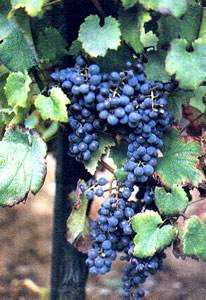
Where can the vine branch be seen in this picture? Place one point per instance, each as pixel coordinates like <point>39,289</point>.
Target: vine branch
<point>99,8</point>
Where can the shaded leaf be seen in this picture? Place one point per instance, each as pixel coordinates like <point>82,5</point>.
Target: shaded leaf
<point>176,99</point>
<point>105,141</point>
<point>22,165</point>
<point>198,100</point>
<point>118,153</point>
<point>179,162</point>
<point>115,60</point>
<point>189,67</point>
<point>155,67</point>
<point>150,238</point>
<point>194,242</point>
<point>53,107</point>
<point>75,48</point>
<point>187,27</point>
<point>16,49</point>
<point>133,31</point>
<point>96,39</point>
<point>16,89</point>
<point>128,3</point>
<point>51,45</point>
<point>171,203</point>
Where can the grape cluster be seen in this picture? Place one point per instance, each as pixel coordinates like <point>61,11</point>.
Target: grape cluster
<point>101,102</point>
<point>137,271</point>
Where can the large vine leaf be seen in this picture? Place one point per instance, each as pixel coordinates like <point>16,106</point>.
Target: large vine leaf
<point>194,242</point>
<point>51,45</point>
<point>166,7</point>
<point>187,27</point>
<point>96,39</point>
<point>189,67</point>
<point>54,107</point>
<point>16,89</point>
<point>22,165</point>
<point>105,141</point>
<point>179,162</point>
<point>155,66</point>
<point>171,203</point>
<point>17,52</point>
<point>77,224</point>
<point>32,7</point>
<point>198,100</point>
<point>150,237</point>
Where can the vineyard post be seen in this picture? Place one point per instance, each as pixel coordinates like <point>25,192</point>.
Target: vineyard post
<point>69,272</point>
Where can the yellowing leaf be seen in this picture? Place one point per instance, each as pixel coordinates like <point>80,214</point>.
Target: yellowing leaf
<point>16,89</point>
<point>53,107</point>
<point>32,7</point>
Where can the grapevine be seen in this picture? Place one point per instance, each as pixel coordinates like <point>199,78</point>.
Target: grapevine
<point>124,84</point>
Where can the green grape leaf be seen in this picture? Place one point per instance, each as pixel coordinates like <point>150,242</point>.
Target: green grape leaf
<point>194,242</point>
<point>54,107</point>
<point>150,237</point>
<point>77,224</point>
<point>105,141</point>
<point>17,52</point>
<point>179,162</point>
<point>75,48</point>
<point>128,3</point>
<point>166,7</point>
<point>130,26</point>
<point>51,45</point>
<point>120,175</point>
<point>114,60</point>
<point>133,32</point>
<point>187,27</point>
<point>149,39</point>
<point>189,67</point>
<point>96,39</point>
<point>155,66</point>
<point>118,153</point>
<point>197,101</point>
<point>32,7</point>
<point>176,99</point>
<point>171,203</point>
<point>16,89</point>
<point>23,166</point>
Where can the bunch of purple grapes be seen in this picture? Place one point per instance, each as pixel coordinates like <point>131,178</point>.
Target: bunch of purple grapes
<point>102,102</point>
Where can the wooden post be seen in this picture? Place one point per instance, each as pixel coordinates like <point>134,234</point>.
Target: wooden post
<point>69,272</point>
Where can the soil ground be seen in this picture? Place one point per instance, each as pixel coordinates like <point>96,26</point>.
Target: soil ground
<point>25,239</point>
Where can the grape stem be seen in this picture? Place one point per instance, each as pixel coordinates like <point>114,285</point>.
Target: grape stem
<point>106,166</point>
<point>52,3</point>
<point>99,8</point>
<point>196,201</point>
